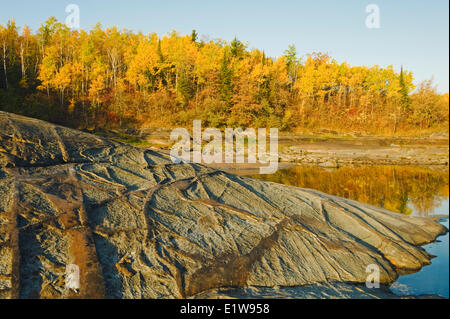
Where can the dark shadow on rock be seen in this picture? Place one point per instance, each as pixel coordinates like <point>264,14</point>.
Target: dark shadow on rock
<point>108,257</point>
<point>30,266</point>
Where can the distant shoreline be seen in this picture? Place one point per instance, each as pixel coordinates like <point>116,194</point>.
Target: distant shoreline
<point>326,151</point>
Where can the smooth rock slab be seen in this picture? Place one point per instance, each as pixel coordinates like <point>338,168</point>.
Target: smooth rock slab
<point>138,226</point>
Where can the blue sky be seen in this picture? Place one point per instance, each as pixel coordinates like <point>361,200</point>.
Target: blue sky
<point>413,33</point>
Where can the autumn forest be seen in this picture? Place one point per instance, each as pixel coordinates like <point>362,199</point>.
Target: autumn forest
<point>109,78</point>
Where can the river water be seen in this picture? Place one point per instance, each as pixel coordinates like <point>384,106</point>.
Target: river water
<point>418,191</point>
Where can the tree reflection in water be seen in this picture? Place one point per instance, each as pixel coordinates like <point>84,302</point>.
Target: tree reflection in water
<point>402,189</point>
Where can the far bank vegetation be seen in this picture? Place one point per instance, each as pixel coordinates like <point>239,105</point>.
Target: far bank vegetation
<point>111,78</point>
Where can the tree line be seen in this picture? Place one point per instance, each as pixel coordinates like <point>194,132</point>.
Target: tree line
<point>105,78</point>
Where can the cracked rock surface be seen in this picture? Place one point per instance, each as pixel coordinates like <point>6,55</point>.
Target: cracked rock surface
<point>138,226</point>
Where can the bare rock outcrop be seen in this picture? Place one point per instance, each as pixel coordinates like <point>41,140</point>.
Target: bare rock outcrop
<point>138,226</point>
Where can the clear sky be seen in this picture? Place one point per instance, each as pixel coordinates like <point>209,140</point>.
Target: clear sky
<point>412,33</point>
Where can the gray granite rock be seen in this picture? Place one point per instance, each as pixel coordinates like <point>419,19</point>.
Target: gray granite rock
<point>138,226</point>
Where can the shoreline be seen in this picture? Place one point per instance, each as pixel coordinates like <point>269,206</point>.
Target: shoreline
<point>334,152</point>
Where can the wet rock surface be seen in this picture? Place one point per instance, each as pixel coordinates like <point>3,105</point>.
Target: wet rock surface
<point>138,226</point>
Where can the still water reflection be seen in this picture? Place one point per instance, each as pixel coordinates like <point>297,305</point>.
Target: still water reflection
<point>403,189</point>
<point>419,191</point>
